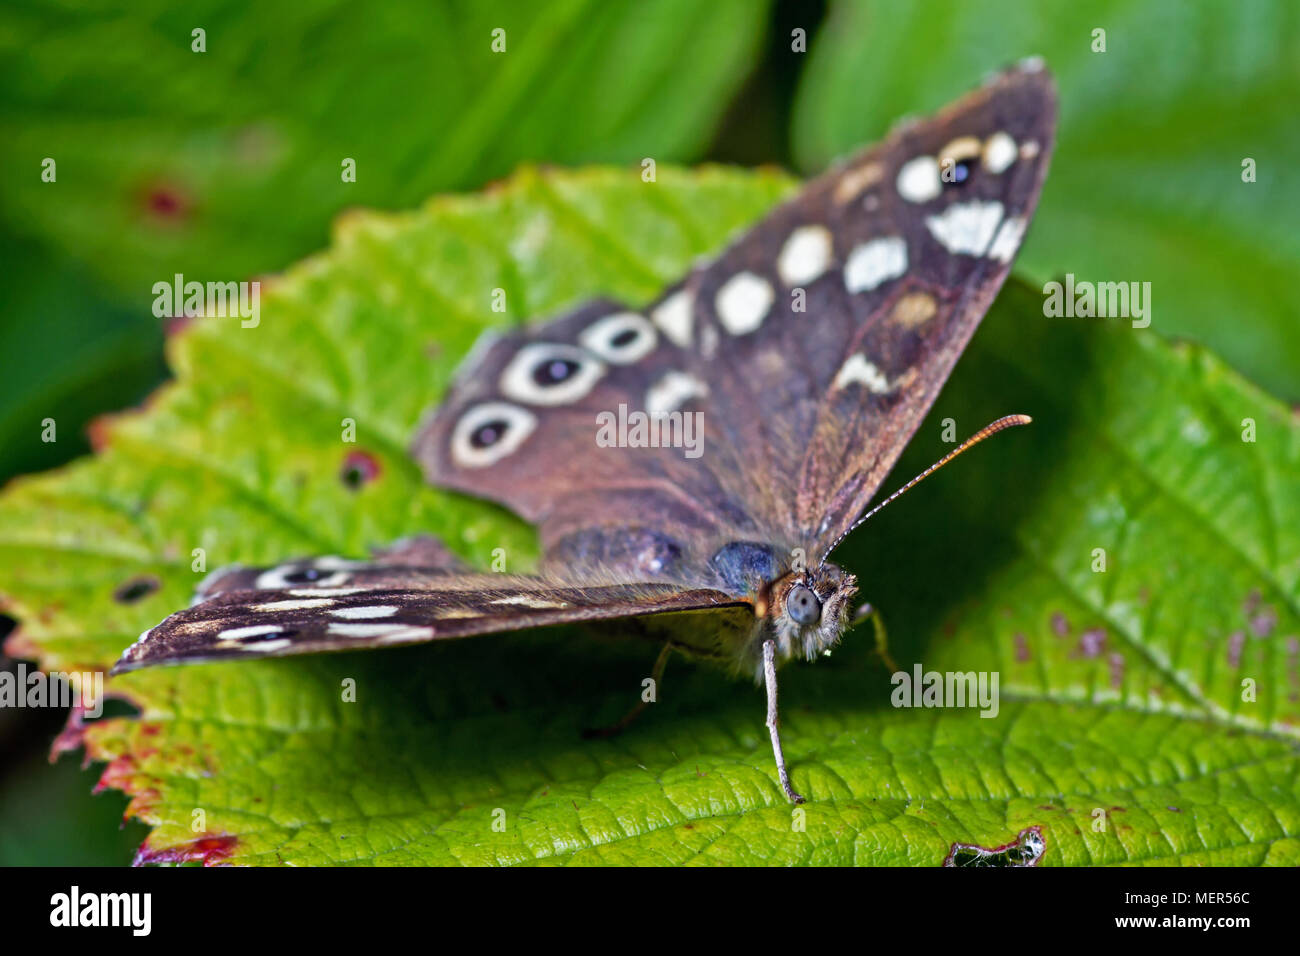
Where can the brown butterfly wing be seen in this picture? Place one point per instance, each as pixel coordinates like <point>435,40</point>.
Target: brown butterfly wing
<point>811,348</point>
<point>392,605</point>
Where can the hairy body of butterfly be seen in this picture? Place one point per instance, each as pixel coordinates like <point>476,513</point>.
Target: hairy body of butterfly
<point>811,348</point>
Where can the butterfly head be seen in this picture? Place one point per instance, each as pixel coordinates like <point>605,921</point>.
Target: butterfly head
<point>807,610</point>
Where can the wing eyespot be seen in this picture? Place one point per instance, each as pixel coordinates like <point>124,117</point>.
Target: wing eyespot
<point>621,338</point>
<point>550,374</point>
<point>324,572</point>
<point>489,432</point>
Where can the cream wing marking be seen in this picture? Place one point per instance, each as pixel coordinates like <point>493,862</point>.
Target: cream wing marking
<point>918,179</point>
<point>806,255</point>
<point>1007,241</point>
<point>673,390</point>
<point>966,228</point>
<point>875,262</point>
<point>861,370</point>
<point>674,316</point>
<point>1000,151</point>
<point>743,302</point>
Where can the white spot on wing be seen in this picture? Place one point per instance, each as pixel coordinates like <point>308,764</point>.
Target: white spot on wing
<point>360,630</point>
<point>875,262</point>
<point>805,255</point>
<point>672,391</point>
<point>324,592</point>
<point>674,316</point>
<point>743,302</point>
<point>407,635</point>
<point>966,228</point>
<point>918,179</point>
<point>1008,239</point>
<point>524,600</point>
<point>253,630</point>
<point>999,152</point>
<point>364,613</point>
<point>302,605</point>
<point>261,647</point>
<point>862,371</point>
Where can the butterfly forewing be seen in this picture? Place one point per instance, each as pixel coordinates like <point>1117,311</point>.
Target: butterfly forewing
<point>811,348</point>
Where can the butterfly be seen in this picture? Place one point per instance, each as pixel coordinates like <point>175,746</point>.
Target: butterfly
<point>801,358</point>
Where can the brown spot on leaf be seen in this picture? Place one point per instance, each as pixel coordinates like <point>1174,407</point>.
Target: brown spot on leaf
<point>1263,623</point>
<point>1116,670</point>
<point>1022,648</point>
<point>1236,641</point>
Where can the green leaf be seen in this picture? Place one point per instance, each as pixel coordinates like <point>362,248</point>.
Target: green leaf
<point>1121,694</point>
<point>1146,182</point>
<point>225,164</point>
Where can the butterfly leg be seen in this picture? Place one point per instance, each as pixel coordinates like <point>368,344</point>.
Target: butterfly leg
<point>769,677</point>
<point>656,675</point>
<point>867,612</point>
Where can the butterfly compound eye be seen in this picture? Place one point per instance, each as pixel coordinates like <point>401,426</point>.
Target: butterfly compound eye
<point>802,605</point>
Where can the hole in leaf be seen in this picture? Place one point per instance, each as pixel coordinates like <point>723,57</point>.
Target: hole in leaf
<point>136,589</point>
<point>1026,850</point>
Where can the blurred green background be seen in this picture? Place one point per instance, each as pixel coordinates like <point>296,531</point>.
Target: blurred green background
<point>224,164</point>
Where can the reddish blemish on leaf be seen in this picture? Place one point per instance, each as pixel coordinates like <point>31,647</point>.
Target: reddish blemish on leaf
<point>1026,850</point>
<point>1092,642</point>
<point>1236,641</point>
<point>1060,626</point>
<point>359,469</point>
<point>210,850</point>
<point>176,324</point>
<point>1022,648</point>
<point>118,774</point>
<point>165,202</point>
<point>73,735</point>
<point>1116,670</point>
<point>1263,623</point>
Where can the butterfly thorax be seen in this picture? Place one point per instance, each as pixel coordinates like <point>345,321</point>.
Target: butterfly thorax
<point>804,610</point>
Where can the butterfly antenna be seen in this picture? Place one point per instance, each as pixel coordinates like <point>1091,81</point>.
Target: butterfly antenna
<point>988,431</point>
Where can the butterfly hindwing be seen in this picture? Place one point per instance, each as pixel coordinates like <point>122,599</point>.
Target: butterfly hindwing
<point>811,348</point>
<point>366,604</point>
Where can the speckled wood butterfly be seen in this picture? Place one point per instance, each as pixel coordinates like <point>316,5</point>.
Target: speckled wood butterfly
<point>808,352</point>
